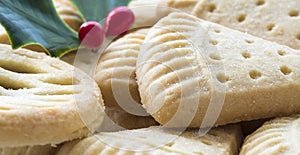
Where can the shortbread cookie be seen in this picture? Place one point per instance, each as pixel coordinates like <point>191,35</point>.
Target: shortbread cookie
<point>64,9</point>
<point>191,72</point>
<point>44,100</point>
<point>30,150</point>
<point>68,13</point>
<point>148,12</point>
<point>115,75</point>
<point>261,18</point>
<point>157,9</point>
<point>279,136</point>
<point>155,140</point>
<point>145,12</point>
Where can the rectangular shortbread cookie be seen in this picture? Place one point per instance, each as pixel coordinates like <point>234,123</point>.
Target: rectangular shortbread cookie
<point>156,141</point>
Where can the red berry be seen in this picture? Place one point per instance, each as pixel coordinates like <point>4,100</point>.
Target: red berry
<point>118,21</point>
<point>91,35</point>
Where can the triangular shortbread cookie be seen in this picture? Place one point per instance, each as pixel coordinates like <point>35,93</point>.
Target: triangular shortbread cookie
<point>196,73</point>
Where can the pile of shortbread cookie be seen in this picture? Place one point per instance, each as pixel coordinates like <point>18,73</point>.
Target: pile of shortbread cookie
<point>193,77</point>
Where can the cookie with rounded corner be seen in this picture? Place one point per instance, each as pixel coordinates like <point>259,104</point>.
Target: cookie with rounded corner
<point>157,140</point>
<point>115,75</point>
<point>278,136</point>
<point>45,100</point>
<point>196,73</point>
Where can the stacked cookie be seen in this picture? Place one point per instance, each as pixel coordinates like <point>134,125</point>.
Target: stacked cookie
<point>115,75</point>
<point>188,63</point>
<point>273,20</point>
<point>45,100</point>
<point>156,140</point>
<point>213,66</point>
<point>182,86</point>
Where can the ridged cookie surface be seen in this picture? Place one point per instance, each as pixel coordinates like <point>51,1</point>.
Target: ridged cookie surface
<point>157,141</point>
<point>274,20</point>
<point>44,100</point>
<point>195,73</point>
<point>115,75</point>
<point>68,13</point>
<point>280,136</point>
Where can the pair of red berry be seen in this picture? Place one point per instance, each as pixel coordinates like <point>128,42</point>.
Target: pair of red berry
<point>118,20</point>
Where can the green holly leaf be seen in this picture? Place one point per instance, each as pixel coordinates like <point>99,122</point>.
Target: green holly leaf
<point>96,10</point>
<point>37,22</point>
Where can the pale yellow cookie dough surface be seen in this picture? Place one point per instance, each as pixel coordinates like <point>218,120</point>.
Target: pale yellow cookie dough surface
<point>44,100</point>
<point>188,64</point>
<point>274,20</point>
<point>278,136</point>
<point>157,141</point>
<point>115,75</point>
